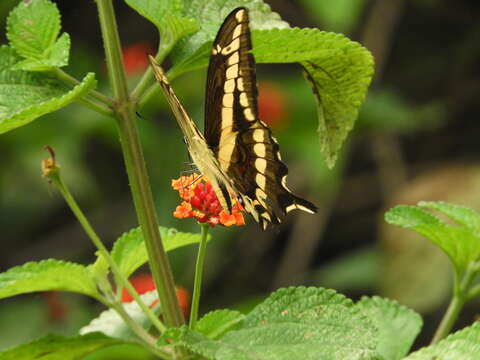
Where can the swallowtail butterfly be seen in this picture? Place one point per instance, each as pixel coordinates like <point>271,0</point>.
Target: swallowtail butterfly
<point>237,152</point>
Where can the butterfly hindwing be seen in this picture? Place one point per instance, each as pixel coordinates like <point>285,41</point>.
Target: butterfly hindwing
<point>242,143</point>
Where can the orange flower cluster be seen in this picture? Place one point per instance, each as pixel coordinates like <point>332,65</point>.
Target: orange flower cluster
<point>201,202</point>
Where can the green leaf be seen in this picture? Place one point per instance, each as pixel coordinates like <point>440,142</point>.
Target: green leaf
<point>410,217</point>
<point>193,52</point>
<point>460,214</point>
<point>339,70</point>
<point>156,10</point>
<point>166,16</point>
<point>99,271</point>
<point>25,96</point>
<point>398,326</point>
<point>58,58</point>
<point>53,347</point>
<point>294,323</point>
<point>129,251</point>
<point>464,345</point>
<point>216,323</point>
<point>47,275</point>
<point>32,29</point>
<point>460,243</point>
<point>175,28</point>
<point>111,324</point>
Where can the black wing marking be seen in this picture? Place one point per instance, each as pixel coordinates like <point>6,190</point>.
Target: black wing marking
<point>242,143</point>
<point>231,68</point>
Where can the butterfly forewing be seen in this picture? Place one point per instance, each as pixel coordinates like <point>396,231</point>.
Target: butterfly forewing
<point>242,143</point>
<point>201,154</point>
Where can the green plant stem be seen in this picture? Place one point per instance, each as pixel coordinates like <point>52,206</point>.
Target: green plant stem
<point>449,318</point>
<point>136,168</point>
<point>67,78</point>
<point>57,180</point>
<point>95,106</point>
<point>197,287</point>
<point>460,297</point>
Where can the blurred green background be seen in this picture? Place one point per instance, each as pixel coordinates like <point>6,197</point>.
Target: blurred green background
<point>416,139</point>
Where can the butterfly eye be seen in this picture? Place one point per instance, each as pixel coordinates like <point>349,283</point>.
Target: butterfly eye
<point>185,140</point>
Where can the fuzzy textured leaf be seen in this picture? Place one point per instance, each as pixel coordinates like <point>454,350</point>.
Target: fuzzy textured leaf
<point>32,29</point>
<point>210,15</point>
<point>156,10</point>
<point>129,251</point>
<point>460,243</point>
<point>166,15</point>
<point>58,57</point>
<point>464,345</point>
<point>398,326</point>
<point>54,347</point>
<point>216,323</point>
<point>47,275</point>
<point>460,214</point>
<point>25,96</point>
<point>294,323</point>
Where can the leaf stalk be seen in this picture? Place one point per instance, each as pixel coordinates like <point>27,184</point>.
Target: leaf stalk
<point>461,292</point>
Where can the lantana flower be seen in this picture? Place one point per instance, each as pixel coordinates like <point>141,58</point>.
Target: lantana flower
<point>201,202</point>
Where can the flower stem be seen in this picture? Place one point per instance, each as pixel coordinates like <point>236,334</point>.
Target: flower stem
<point>95,106</point>
<point>136,168</point>
<point>197,287</point>
<point>460,296</point>
<point>82,219</point>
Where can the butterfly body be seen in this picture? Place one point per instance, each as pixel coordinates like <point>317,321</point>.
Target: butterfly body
<point>237,152</point>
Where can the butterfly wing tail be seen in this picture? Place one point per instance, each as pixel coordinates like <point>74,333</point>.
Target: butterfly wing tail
<point>289,202</point>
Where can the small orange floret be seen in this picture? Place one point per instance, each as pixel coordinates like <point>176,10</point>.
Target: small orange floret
<point>183,211</point>
<point>239,219</point>
<point>201,202</point>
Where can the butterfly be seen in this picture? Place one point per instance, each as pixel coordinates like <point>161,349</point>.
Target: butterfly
<point>237,152</point>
